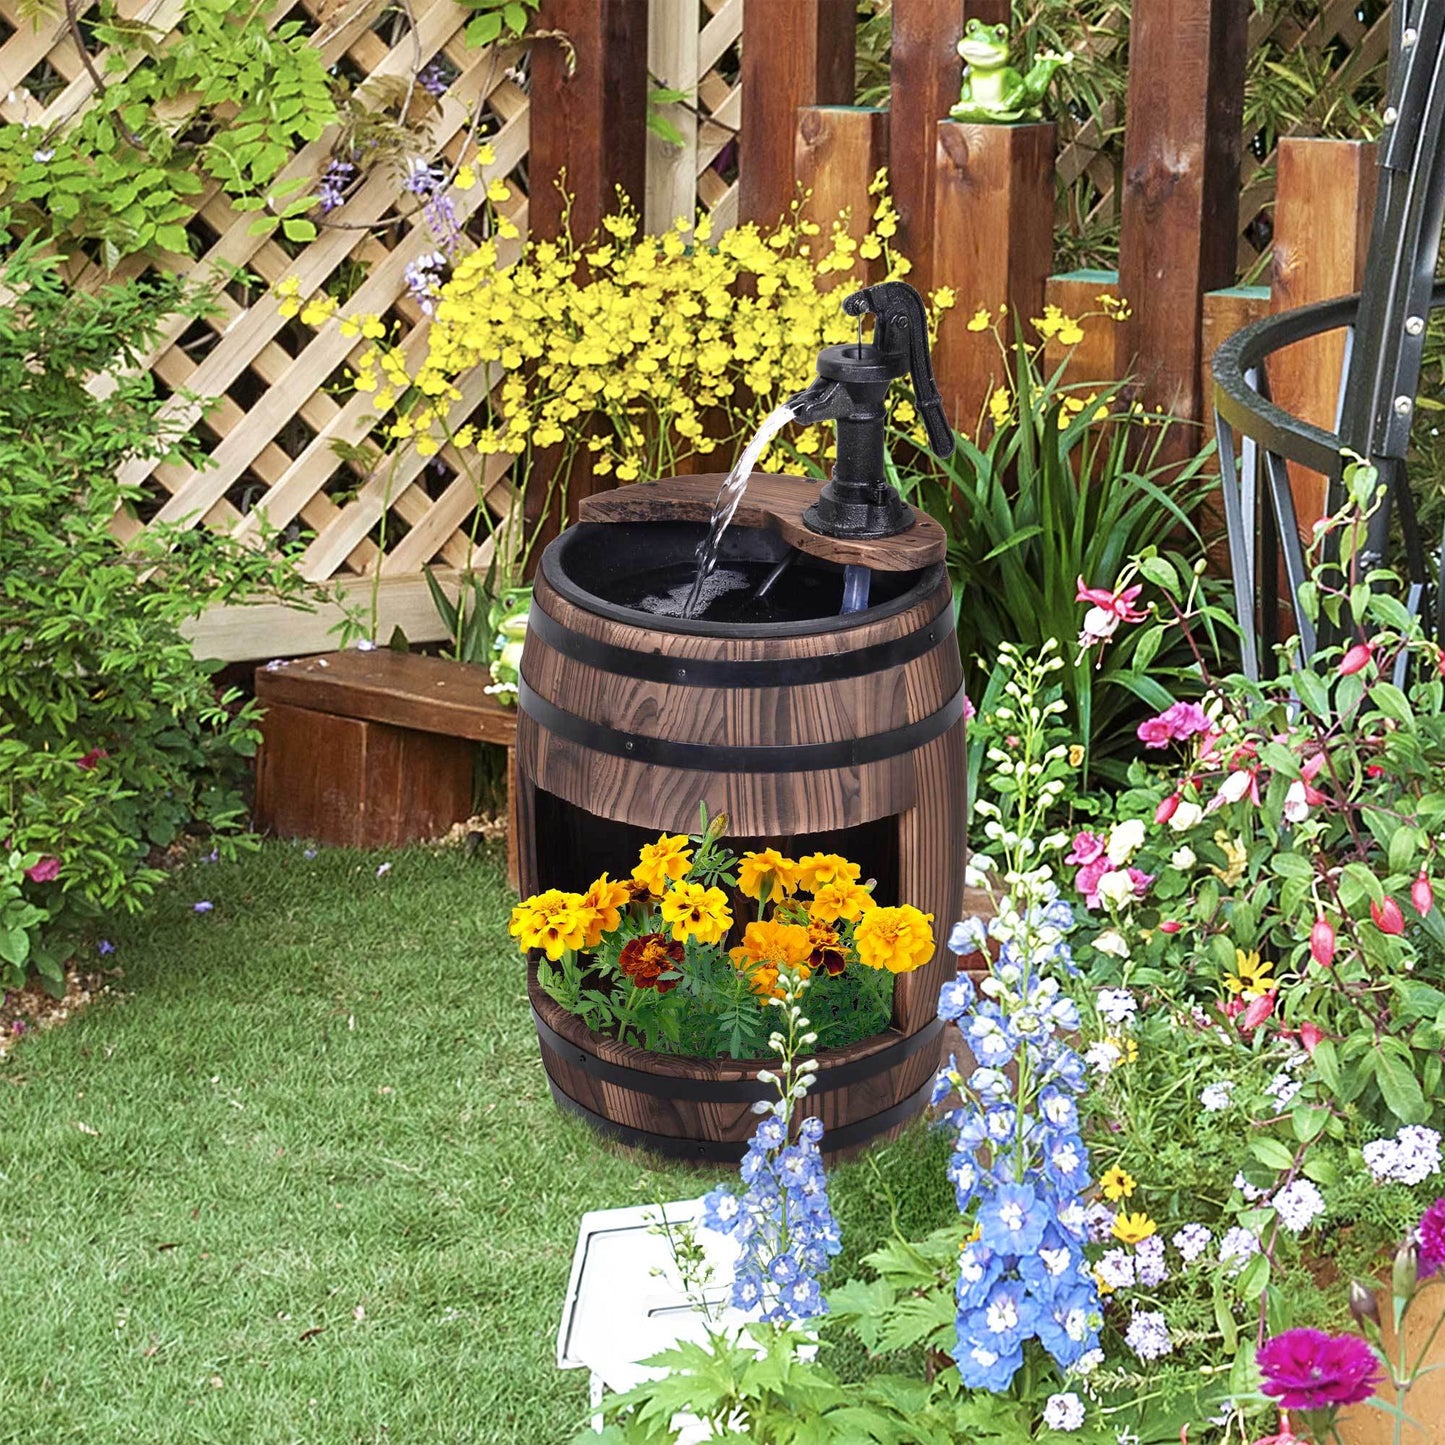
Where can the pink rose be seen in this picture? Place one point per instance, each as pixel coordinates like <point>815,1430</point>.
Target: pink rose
<point>1088,848</point>
<point>47,870</point>
<point>1086,880</point>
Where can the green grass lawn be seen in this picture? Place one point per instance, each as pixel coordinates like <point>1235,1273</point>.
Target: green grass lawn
<point>305,1183</point>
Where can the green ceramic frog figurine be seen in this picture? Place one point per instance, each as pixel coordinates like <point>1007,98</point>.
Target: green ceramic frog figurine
<point>509,614</point>
<point>992,89</point>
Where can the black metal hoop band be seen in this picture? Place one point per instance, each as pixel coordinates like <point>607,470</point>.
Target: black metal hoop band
<point>729,1091</point>
<point>716,672</point>
<point>707,758</point>
<point>717,1151</point>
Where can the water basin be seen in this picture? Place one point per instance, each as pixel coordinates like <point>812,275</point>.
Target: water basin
<point>642,573</point>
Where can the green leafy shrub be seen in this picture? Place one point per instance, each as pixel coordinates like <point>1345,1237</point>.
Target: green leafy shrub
<point>113,737</point>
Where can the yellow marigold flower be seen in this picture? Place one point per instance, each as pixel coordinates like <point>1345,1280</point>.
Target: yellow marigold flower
<point>663,862</point>
<point>602,907</point>
<point>819,869</point>
<point>1250,976</point>
<point>765,948</point>
<point>840,900</point>
<point>754,867</point>
<point>898,939</point>
<point>1133,1228</point>
<point>1236,858</point>
<point>466,178</point>
<point>1000,406</point>
<point>1117,1185</point>
<point>695,911</point>
<point>552,921</point>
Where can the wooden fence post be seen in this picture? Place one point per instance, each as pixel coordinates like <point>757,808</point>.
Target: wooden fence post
<point>924,75</point>
<point>588,129</point>
<point>797,53</point>
<point>993,241</point>
<point>1324,203</point>
<point>838,151</point>
<point>1181,189</point>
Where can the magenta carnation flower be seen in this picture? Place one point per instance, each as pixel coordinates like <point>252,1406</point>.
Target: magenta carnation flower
<point>1310,1370</point>
<point>1432,1239</point>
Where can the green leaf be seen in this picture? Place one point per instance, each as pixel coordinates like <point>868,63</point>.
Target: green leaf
<point>1254,1278</point>
<point>1393,703</point>
<point>299,229</point>
<point>484,29</point>
<point>1398,1086</point>
<point>1312,692</point>
<point>1308,1121</point>
<point>1291,865</point>
<point>1271,1153</point>
<point>174,239</point>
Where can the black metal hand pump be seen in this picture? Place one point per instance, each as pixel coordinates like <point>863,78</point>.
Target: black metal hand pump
<point>852,386</point>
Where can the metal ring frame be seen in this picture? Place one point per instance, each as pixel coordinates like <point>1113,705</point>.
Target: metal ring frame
<point>1385,334</point>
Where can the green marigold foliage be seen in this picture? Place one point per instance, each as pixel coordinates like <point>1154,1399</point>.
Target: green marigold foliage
<point>113,738</point>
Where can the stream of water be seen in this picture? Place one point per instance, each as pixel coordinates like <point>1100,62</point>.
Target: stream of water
<point>725,507</point>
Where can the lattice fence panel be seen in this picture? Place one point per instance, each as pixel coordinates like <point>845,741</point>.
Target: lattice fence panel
<point>1343,58</point>
<point>693,47</point>
<point>292,446</point>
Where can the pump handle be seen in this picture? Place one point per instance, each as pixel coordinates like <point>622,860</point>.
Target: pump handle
<point>900,332</point>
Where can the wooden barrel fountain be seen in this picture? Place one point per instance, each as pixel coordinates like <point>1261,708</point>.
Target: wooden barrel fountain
<point>810,730</point>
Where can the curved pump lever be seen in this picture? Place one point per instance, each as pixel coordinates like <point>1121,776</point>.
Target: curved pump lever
<point>900,332</point>
<point>852,389</point>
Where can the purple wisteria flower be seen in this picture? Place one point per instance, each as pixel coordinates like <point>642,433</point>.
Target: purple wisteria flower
<point>429,182</point>
<point>424,278</point>
<point>331,190</point>
<point>1308,1370</point>
<point>432,78</point>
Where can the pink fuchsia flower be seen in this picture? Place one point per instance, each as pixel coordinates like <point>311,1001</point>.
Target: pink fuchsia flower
<point>1168,808</point>
<point>91,759</point>
<point>1258,1011</point>
<point>1431,1237</point>
<point>1309,1370</point>
<point>1241,783</point>
<point>1175,724</point>
<point>1356,659</point>
<point>1119,603</point>
<point>1322,942</point>
<point>1170,925</point>
<point>1311,1036</point>
<point>1422,895</point>
<point>47,870</point>
<point>1088,848</point>
<point>1387,916</point>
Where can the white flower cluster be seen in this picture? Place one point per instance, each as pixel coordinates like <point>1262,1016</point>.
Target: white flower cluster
<point>1412,1156</point>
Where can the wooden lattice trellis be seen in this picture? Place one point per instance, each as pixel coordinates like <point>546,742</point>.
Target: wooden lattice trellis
<point>288,439</point>
<point>692,47</point>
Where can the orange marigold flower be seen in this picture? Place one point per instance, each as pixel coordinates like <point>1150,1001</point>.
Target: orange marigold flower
<point>833,901</point>
<point>754,867</point>
<point>819,869</point>
<point>898,939</point>
<point>601,908</point>
<point>663,862</point>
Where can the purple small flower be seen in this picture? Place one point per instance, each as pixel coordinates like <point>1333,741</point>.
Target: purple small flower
<point>308,852</point>
<point>1309,1370</point>
<point>105,947</point>
<point>331,191</point>
<point>17,1026</point>
<point>214,856</point>
<point>204,906</point>
<point>432,78</point>
<point>423,280</point>
<point>43,157</point>
<point>383,870</point>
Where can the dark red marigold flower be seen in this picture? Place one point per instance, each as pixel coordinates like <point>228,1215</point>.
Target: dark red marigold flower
<point>646,958</point>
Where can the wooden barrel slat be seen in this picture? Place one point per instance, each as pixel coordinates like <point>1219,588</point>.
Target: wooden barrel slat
<point>851,725</point>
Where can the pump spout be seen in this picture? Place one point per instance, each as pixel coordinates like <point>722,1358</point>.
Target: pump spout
<point>824,400</point>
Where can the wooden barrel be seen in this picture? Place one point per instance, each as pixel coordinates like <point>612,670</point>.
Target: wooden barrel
<point>843,733</point>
